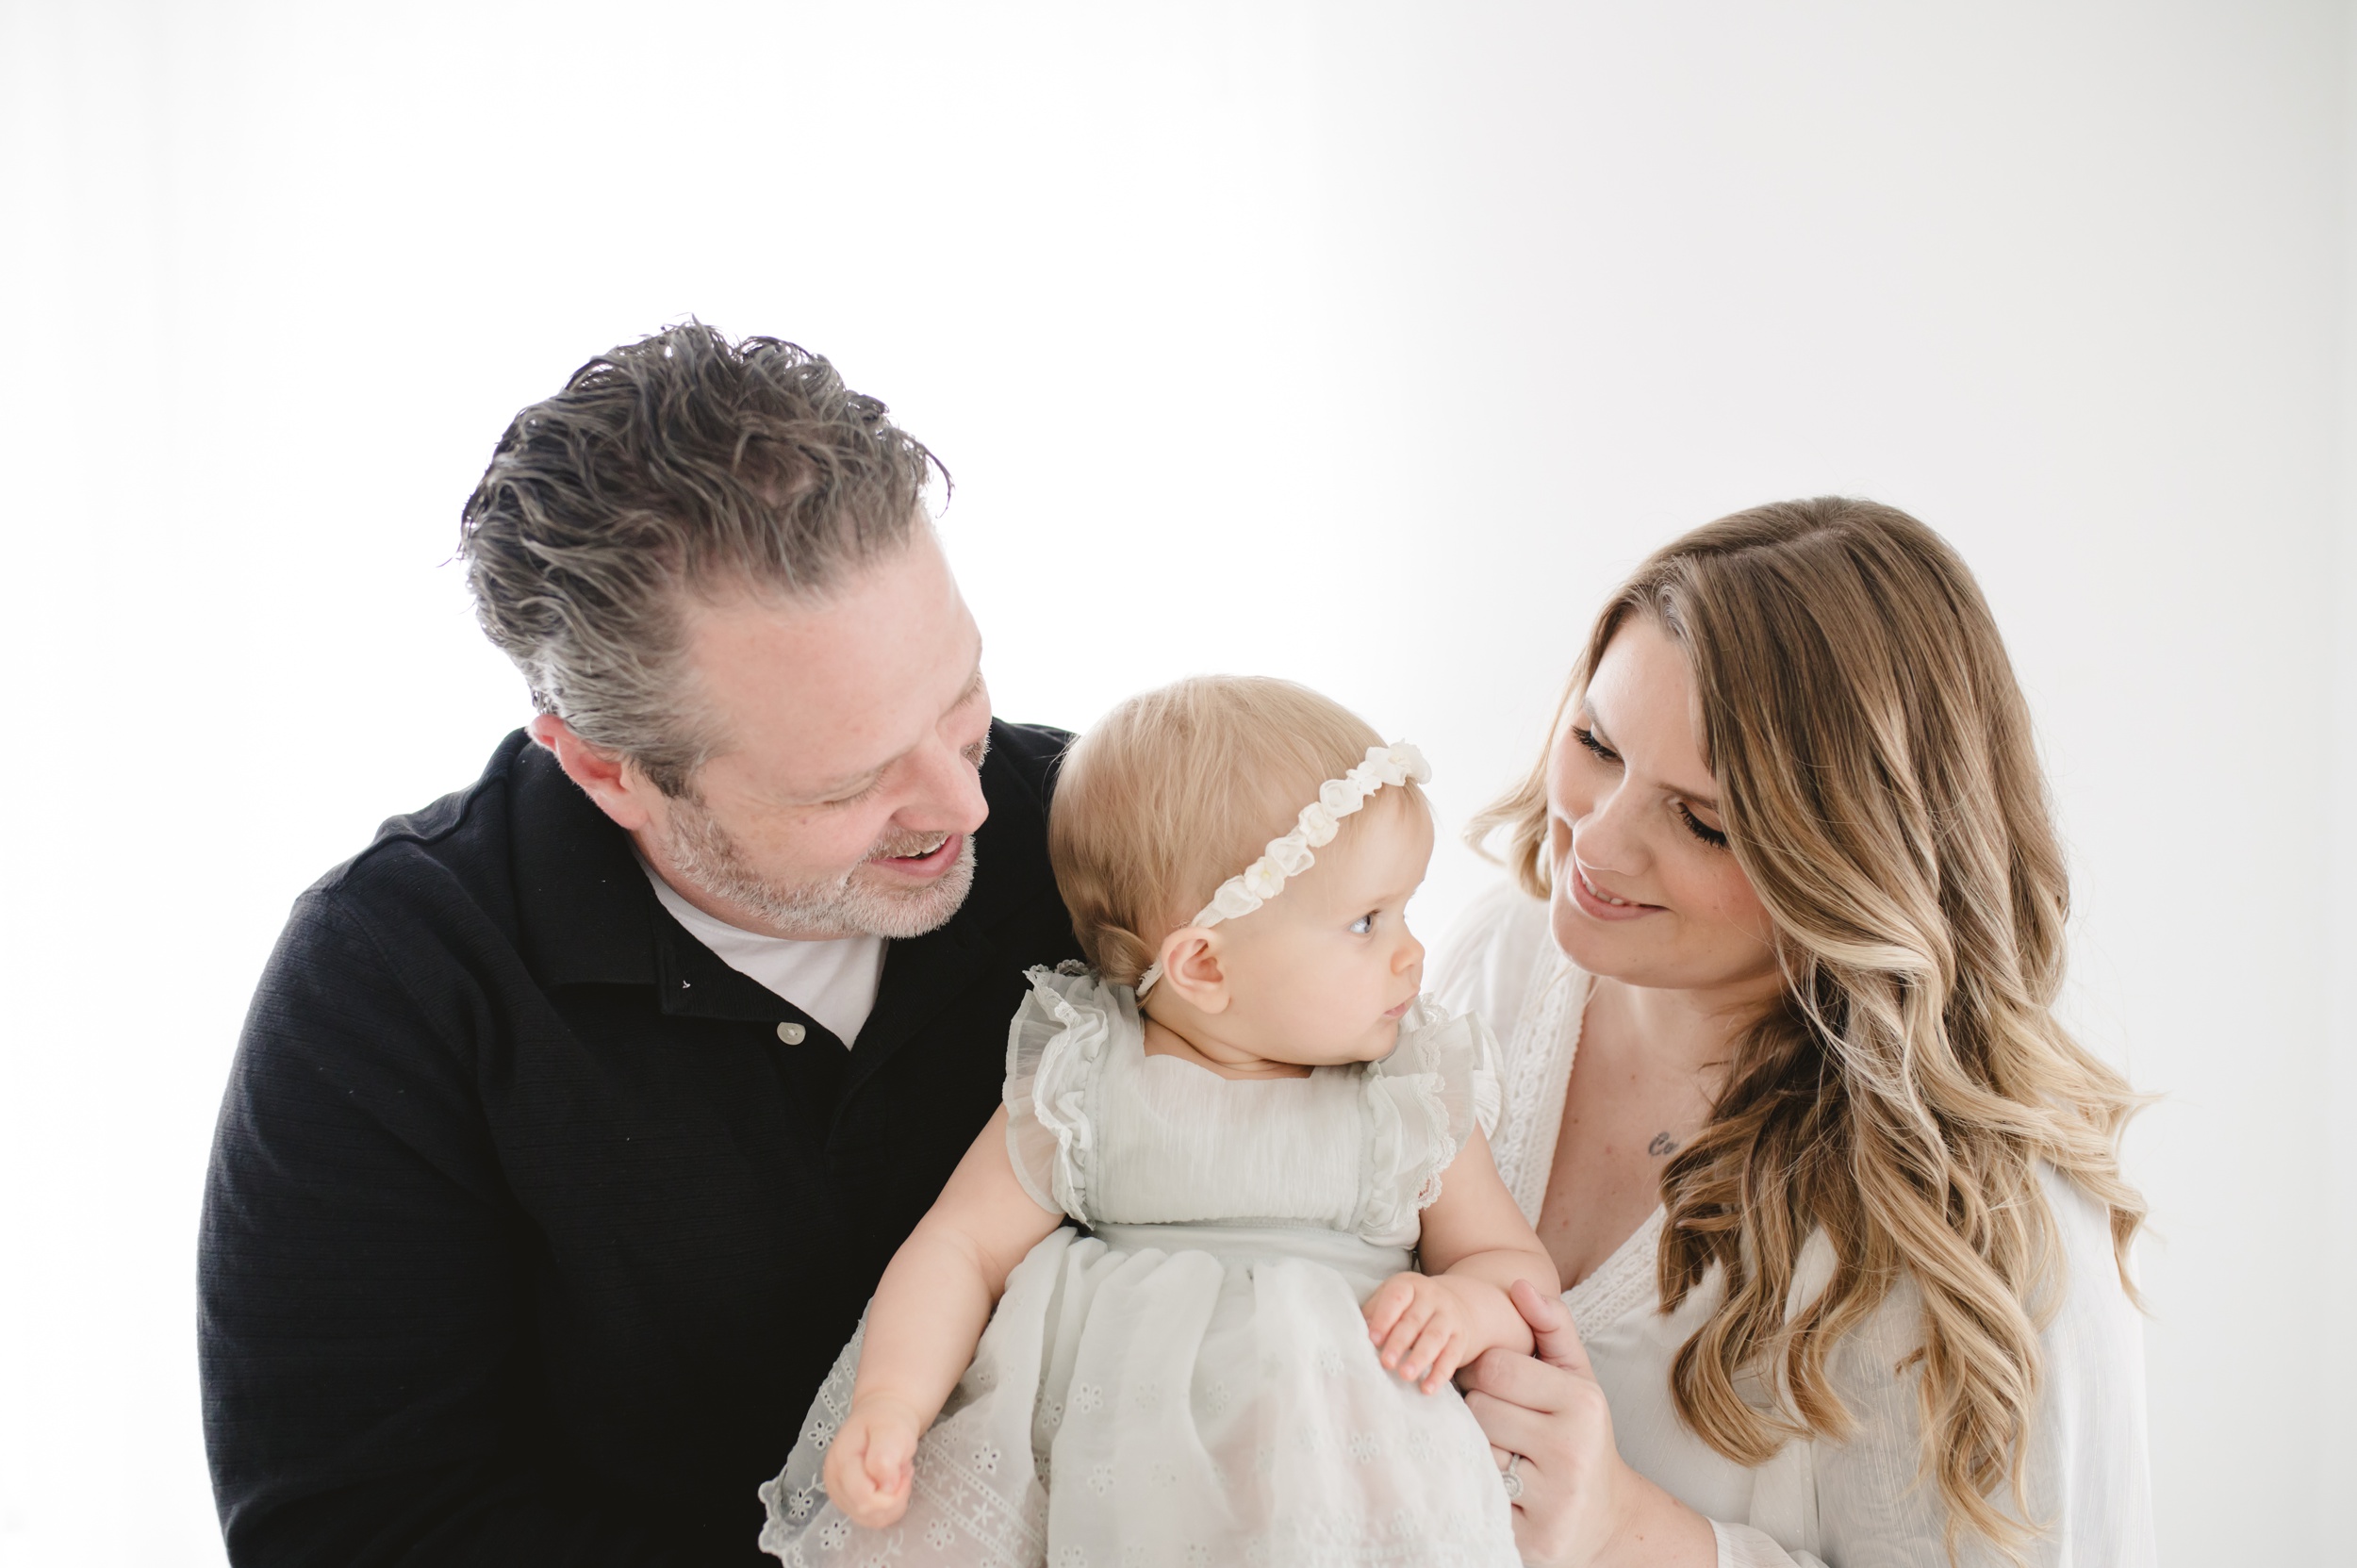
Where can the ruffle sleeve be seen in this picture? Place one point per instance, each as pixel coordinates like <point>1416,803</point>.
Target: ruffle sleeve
<point>1055,1049</point>
<point>1423,1102</point>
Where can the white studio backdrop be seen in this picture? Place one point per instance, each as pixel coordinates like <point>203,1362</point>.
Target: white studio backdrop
<point>1366,344</point>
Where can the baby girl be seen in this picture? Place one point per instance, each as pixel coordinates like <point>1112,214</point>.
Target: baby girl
<point>1260,1128</point>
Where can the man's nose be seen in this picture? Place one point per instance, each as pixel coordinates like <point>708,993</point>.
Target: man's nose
<point>947,794</point>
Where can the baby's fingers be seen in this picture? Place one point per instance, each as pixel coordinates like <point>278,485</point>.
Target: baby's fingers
<point>1415,1362</point>
<point>1405,1331</point>
<point>867,1473</point>
<point>846,1475</point>
<point>1442,1360</point>
<point>891,1449</point>
<point>1392,1298</point>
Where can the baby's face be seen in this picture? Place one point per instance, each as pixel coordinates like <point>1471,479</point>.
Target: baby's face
<point>1321,973</point>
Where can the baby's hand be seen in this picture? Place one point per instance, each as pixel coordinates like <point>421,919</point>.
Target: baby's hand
<point>871,1461</point>
<point>1422,1326</point>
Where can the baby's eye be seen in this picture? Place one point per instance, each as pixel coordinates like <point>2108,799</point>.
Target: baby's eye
<point>1365,925</point>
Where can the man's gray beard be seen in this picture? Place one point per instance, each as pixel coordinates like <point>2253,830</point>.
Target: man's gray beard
<point>701,852</point>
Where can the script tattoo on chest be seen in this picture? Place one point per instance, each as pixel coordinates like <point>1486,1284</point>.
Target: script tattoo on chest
<point>1662,1146</point>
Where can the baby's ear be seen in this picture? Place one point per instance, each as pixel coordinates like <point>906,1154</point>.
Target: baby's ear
<point>1191,968</point>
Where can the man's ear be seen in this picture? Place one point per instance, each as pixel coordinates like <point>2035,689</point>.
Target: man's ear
<point>1190,959</point>
<point>620,790</point>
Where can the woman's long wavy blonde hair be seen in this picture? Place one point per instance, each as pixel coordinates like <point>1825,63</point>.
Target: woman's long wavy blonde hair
<point>1881,789</point>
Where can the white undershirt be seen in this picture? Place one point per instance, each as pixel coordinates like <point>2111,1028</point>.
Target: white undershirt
<point>832,982</point>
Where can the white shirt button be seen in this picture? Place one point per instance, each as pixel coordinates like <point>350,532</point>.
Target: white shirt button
<point>792,1033</point>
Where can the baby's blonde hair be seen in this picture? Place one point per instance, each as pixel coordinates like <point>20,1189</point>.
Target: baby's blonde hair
<point>1179,788</point>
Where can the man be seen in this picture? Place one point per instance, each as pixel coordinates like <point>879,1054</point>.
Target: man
<point>576,1118</point>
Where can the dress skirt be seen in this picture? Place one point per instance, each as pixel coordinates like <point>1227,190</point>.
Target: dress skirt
<point>1167,1396</point>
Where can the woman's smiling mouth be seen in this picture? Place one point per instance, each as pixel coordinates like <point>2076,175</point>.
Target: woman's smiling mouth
<point>1597,904</point>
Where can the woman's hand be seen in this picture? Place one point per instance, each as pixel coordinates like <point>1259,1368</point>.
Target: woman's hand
<point>871,1462</point>
<point>1580,1506</point>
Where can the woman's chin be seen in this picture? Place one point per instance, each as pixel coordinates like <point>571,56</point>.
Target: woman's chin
<point>1637,952</point>
<point>1661,952</point>
<point>1611,949</point>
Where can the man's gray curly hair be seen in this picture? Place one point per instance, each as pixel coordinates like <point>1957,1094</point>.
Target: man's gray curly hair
<point>681,464</point>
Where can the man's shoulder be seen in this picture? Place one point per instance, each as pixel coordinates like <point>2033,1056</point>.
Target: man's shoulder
<point>1034,751</point>
<point>464,833</point>
<point>1022,765</point>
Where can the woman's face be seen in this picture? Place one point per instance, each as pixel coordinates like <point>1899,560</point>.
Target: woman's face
<point>1646,890</point>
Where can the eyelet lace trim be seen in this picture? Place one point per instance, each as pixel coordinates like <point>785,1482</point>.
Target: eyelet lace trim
<point>1622,1284</point>
<point>1538,1067</point>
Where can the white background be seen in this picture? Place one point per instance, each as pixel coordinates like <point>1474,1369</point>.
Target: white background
<point>1363,343</point>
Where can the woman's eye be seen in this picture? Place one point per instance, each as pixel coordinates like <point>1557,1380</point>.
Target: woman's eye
<point>1699,829</point>
<point>1364,926</point>
<point>1588,738</point>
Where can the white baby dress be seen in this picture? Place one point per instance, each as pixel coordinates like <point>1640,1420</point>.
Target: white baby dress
<point>1190,1380</point>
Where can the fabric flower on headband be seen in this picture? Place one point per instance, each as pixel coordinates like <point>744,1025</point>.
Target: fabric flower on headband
<point>1293,853</point>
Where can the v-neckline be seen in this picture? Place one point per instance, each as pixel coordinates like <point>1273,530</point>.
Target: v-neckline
<point>1622,1282</point>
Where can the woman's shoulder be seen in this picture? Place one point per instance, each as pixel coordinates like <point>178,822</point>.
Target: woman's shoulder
<point>1487,959</point>
<point>2090,1335</point>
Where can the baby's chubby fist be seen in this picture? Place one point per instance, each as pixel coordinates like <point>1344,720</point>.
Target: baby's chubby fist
<point>1422,1328</point>
<point>871,1461</point>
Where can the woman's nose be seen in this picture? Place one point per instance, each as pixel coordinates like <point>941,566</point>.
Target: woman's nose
<point>1606,837</point>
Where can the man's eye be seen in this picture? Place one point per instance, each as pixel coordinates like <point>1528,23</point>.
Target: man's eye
<point>860,794</point>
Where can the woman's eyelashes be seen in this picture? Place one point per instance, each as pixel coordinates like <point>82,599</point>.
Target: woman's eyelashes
<point>1708,834</point>
<point>1695,825</point>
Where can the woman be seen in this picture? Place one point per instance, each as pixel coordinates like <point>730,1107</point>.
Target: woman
<point>1837,1199</point>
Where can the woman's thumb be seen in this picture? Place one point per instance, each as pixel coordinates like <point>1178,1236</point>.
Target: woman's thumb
<point>1556,1343</point>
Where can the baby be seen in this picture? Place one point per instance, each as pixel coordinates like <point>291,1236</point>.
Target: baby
<point>1260,1126</point>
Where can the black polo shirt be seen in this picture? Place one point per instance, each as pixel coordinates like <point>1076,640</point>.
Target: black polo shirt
<point>527,1237</point>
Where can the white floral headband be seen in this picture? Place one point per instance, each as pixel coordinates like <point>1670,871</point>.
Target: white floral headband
<point>1290,855</point>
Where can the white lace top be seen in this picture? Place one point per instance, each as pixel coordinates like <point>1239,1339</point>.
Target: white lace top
<point>1817,1504</point>
<point>1110,1136</point>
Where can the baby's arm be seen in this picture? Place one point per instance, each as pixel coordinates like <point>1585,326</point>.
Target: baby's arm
<point>927,1315</point>
<point>1476,1245</point>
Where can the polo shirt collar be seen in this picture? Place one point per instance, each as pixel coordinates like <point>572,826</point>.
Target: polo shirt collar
<point>587,915</point>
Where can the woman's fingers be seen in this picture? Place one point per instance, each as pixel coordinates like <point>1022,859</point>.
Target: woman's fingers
<point>1515,1428</point>
<point>1522,1380</point>
<point>1551,1327</point>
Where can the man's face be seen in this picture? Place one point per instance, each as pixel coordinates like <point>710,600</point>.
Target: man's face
<point>846,791</point>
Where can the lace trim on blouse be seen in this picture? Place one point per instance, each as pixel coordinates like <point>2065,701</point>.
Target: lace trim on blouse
<point>1553,1009</point>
